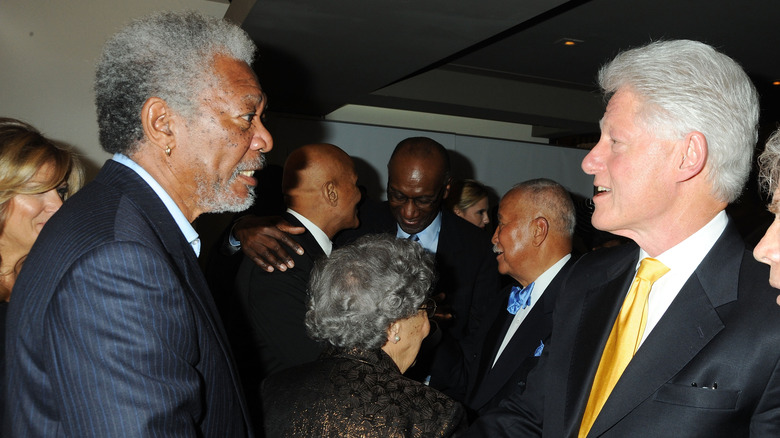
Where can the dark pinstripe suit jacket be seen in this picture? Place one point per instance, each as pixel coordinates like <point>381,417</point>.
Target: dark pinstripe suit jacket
<point>113,331</point>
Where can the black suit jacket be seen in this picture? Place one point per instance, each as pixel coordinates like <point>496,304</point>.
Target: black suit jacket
<point>722,328</point>
<point>112,330</point>
<point>274,304</point>
<point>488,384</point>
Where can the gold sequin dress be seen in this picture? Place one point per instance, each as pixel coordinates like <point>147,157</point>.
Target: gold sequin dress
<point>355,393</point>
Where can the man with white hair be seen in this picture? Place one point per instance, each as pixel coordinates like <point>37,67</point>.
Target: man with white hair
<point>672,335</point>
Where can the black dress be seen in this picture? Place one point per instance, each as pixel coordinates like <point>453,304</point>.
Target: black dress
<point>355,393</point>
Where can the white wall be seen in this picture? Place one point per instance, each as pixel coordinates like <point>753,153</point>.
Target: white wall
<point>48,50</point>
<point>495,162</point>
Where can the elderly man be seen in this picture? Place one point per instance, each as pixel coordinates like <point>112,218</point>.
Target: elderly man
<point>701,356</point>
<point>418,182</point>
<point>112,330</point>
<point>533,243</point>
<point>319,185</point>
<point>768,249</point>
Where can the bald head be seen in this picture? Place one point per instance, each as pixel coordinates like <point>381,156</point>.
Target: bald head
<point>319,182</point>
<point>423,149</point>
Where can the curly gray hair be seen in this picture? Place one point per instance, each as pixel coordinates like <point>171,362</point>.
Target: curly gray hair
<point>769,164</point>
<point>361,289</point>
<point>168,55</point>
<point>689,86</point>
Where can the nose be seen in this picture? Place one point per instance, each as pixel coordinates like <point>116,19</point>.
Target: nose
<point>485,218</point>
<point>409,210</point>
<point>594,161</point>
<point>52,201</point>
<point>262,139</point>
<point>494,239</point>
<point>768,249</point>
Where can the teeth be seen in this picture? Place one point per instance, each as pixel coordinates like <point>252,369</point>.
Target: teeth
<point>496,250</point>
<point>247,172</point>
<point>600,189</point>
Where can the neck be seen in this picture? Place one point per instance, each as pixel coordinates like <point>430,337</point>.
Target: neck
<point>8,273</point>
<point>400,355</point>
<point>657,240</point>
<point>317,215</point>
<point>165,175</point>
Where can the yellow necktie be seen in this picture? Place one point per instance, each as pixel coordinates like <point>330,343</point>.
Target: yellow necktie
<point>623,340</point>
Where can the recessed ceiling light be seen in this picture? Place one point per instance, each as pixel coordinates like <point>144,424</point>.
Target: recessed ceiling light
<point>776,83</point>
<point>569,42</point>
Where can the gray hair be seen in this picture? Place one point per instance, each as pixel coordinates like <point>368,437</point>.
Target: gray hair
<point>769,164</point>
<point>554,200</point>
<point>168,55</point>
<point>689,86</point>
<point>361,289</point>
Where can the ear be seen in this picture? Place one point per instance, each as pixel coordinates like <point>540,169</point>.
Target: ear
<point>458,212</point>
<point>447,188</point>
<point>392,332</point>
<point>331,193</point>
<point>540,229</point>
<point>157,121</point>
<point>693,156</point>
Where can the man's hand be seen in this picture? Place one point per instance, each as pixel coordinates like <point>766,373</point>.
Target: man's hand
<point>261,239</point>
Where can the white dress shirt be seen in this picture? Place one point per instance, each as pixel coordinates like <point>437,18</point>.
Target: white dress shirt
<point>319,235</point>
<point>184,225</point>
<point>682,259</point>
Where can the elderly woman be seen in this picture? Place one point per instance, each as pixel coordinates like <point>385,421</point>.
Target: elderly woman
<point>35,177</point>
<point>469,199</point>
<point>368,302</point>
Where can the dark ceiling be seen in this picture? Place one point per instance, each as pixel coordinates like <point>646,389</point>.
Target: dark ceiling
<point>494,59</point>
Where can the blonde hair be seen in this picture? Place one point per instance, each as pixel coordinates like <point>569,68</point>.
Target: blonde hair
<point>23,151</point>
<point>465,193</point>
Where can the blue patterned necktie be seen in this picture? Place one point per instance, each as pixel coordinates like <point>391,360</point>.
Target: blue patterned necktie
<point>519,298</point>
<point>414,238</point>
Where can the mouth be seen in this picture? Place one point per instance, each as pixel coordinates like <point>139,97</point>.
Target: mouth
<point>497,250</point>
<point>600,190</point>
<point>246,177</point>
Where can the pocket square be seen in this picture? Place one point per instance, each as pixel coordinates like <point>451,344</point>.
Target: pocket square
<point>539,349</point>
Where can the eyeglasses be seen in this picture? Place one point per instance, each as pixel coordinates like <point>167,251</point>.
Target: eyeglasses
<point>429,305</point>
<point>398,198</point>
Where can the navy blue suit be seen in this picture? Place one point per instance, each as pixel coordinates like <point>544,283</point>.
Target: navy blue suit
<point>112,330</point>
<point>488,384</point>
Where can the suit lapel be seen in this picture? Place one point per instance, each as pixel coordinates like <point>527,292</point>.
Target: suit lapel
<point>606,284</point>
<point>179,250</point>
<point>689,324</point>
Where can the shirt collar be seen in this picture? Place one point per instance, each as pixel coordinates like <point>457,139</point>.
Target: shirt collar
<point>181,221</point>
<point>429,237</point>
<point>544,280</point>
<point>319,235</point>
<point>684,258</point>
